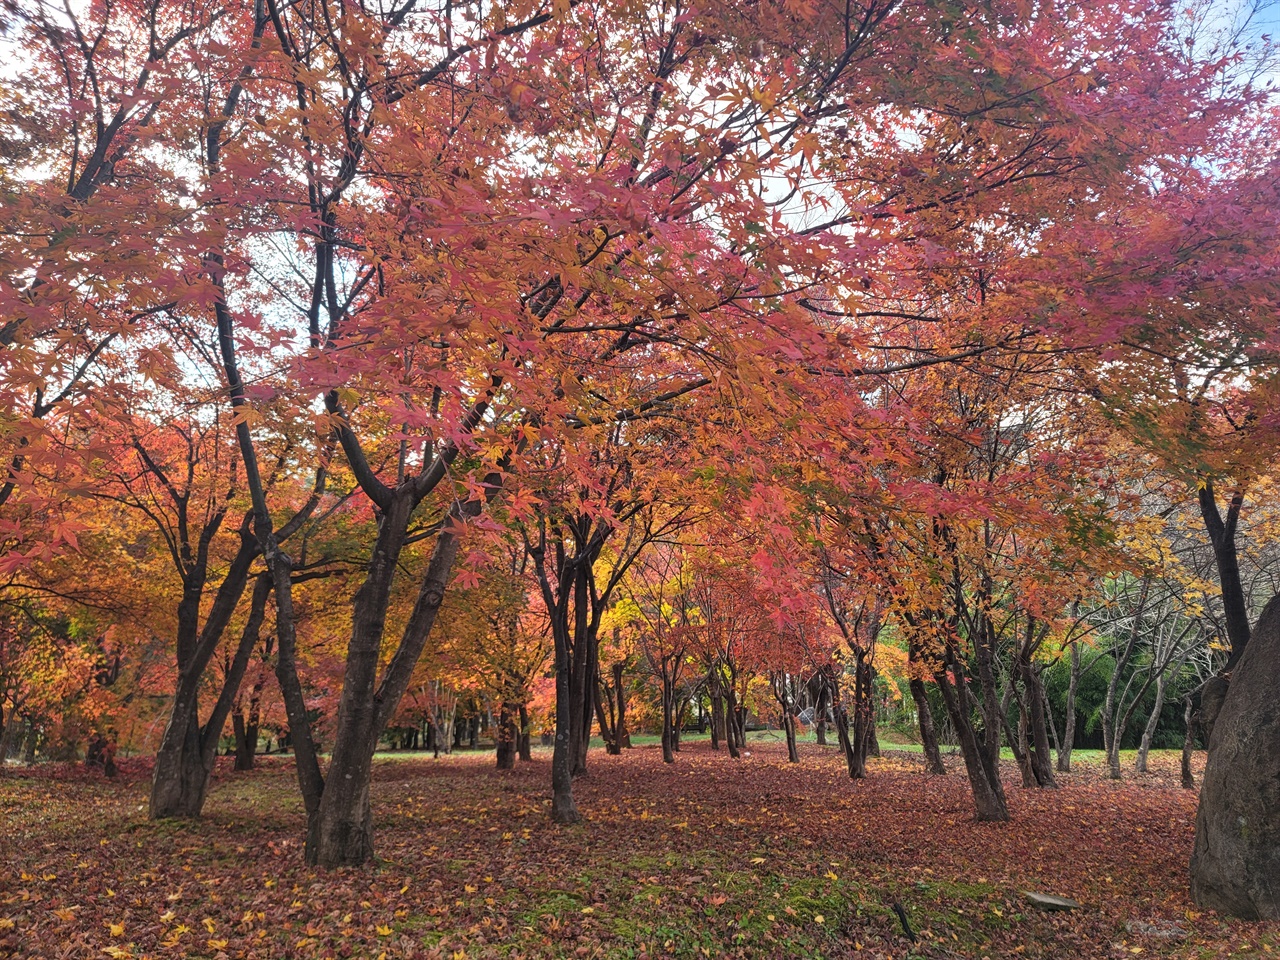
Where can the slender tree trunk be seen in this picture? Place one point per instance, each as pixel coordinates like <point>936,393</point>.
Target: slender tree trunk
<point>1188,740</point>
<point>1149,731</point>
<point>522,742</point>
<point>29,746</point>
<point>563,809</point>
<point>668,755</point>
<point>185,761</point>
<point>1067,744</point>
<point>1038,748</point>
<point>841,717</point>
<point>8,724</point>
<point>717,718</point>
<point>506,736</point>
<point>789,728</point>
<point>928,732</point>
<point>732,733</point>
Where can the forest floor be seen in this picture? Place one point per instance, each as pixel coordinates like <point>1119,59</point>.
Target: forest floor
<point>707,858</point>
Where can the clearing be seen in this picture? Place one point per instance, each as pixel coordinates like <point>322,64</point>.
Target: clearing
<point>711,857</point>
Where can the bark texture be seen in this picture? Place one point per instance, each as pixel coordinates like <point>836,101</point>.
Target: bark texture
<point>1236,864</point>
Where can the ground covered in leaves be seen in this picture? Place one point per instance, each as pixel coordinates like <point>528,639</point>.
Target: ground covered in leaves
<point>710,857</point>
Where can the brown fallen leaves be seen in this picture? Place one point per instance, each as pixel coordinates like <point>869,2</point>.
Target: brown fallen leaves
<point>711,857</point>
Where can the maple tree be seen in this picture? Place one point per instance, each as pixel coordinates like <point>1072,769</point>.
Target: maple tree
<point>840,289</point>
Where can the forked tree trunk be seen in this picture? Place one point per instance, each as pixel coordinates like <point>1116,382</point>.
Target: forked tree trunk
<point>984,777</point>
<point>1038,755</point>
<point>341,830</point>
<point>188,751</point>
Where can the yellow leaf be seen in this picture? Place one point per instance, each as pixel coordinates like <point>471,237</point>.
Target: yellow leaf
<point>217,944</point>
<point>757,859</point>
<point>117,929</point>
<point>831,875</point>
<point>209,924</point>
<point>383,930</point>
<point>168,916</point>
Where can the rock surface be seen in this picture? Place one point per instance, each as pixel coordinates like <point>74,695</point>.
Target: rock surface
<point>1047,901</point>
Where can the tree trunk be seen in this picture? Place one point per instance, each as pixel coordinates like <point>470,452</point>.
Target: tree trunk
<point>789,727</point>
<point>185,758</point>
<point>928,732</point>
<point>506,736</point>
<point>244,750</point>
<point>857,770</point>
<point>8,725</point>
<point>341,830</point>
<point>717,718</point>
<point>522,742</point>
<point>1067,743</point>
<point>732,731</point>
<point>563,809</point>
<point>29,747</point>
<point>624,735</point>
<point>1235,868</point>
<point>1188,740</point>
<point>1153,721</point>
<point>1038,748</point>
<point>984,777</point>
<point>668,695</point>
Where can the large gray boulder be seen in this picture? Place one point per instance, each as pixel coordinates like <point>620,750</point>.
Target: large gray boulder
<point>1235,868</point>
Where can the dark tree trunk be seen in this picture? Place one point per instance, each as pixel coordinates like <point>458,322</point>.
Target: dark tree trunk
<point>341,829</point>
<point>1235,868</point>
<point>1038,756</point>
<point>733,730</point>
<point>928,733</point>
<point>717,718</point>
<point>668,753</point>
<point>984,776</point>
<point>782,691</point>
<point>29,745</point>
<point>506,736</point>
<point>522,742</point>
<point>185,759</point>
<point>246,737</point>
<point>856,770</point>
<point>563,809</point>
<point>1222,534</point>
